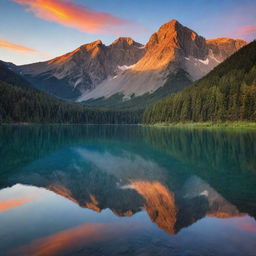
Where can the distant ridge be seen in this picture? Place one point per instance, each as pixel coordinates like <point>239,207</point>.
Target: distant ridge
<point>8,76</point>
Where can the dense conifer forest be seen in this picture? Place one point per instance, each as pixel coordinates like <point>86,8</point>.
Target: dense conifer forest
<point>228,93</point>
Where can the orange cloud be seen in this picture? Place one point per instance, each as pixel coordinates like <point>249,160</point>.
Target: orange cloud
<point>6,205</point>
<point>15,47</point>
<point>73,15</point>
<point>20,48</point>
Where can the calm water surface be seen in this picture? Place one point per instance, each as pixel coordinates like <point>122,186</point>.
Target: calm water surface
<point>126,190</point>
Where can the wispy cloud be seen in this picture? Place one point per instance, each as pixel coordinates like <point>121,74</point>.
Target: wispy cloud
<point>20,49</point>
<point>15,47</point>
<point>74,15</point>
<point>249,30</point>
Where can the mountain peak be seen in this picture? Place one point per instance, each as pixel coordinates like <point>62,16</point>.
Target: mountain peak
<point>91,45</point>
<point>126,43</point>
<point>127,40</point>
<point>94,43</point>
<point>175,28</point>
<point>171,23</point>
<point>97,42</point>
<point>169,32</point>
<point>174,36</point>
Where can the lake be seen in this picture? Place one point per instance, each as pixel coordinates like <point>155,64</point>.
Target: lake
<point>126,190</point>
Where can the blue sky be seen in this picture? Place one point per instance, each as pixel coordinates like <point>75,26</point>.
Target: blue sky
<point>46,38</point>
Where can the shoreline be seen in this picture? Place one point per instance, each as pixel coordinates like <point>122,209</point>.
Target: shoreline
<point>206,125</point>
<point>185,125</point>
<point>54,124</point>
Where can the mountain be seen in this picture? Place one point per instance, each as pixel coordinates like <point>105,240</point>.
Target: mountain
<point>173,51</point>
<point>127,74</point>
<point>228,93</point>
<point>68,76</point>
<point>22,102</point>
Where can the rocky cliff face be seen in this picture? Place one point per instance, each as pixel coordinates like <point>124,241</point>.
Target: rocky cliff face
<point>169,44</point>
<point>128,68</point>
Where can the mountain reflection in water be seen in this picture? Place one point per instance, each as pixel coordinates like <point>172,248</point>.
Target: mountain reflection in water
<point>177,177</point>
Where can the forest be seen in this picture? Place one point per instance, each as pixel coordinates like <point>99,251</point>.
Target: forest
<point>18,105</point>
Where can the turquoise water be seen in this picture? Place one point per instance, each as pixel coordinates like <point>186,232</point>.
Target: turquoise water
<point>126,190</point>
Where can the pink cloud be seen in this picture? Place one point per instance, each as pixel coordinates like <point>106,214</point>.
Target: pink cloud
<point>246,32</point>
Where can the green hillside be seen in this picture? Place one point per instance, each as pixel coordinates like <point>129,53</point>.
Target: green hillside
<point>228,93</point>
<point>21,102</point>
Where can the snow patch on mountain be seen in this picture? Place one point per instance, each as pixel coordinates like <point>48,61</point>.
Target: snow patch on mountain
<point>206,61</point>
<point>198,68</point>
<point>125,67</point>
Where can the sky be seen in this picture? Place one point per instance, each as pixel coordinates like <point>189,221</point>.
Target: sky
<point>38,30</point>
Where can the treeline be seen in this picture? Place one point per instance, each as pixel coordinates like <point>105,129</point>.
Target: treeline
<point>25,105</point>
<point>228,93</point>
